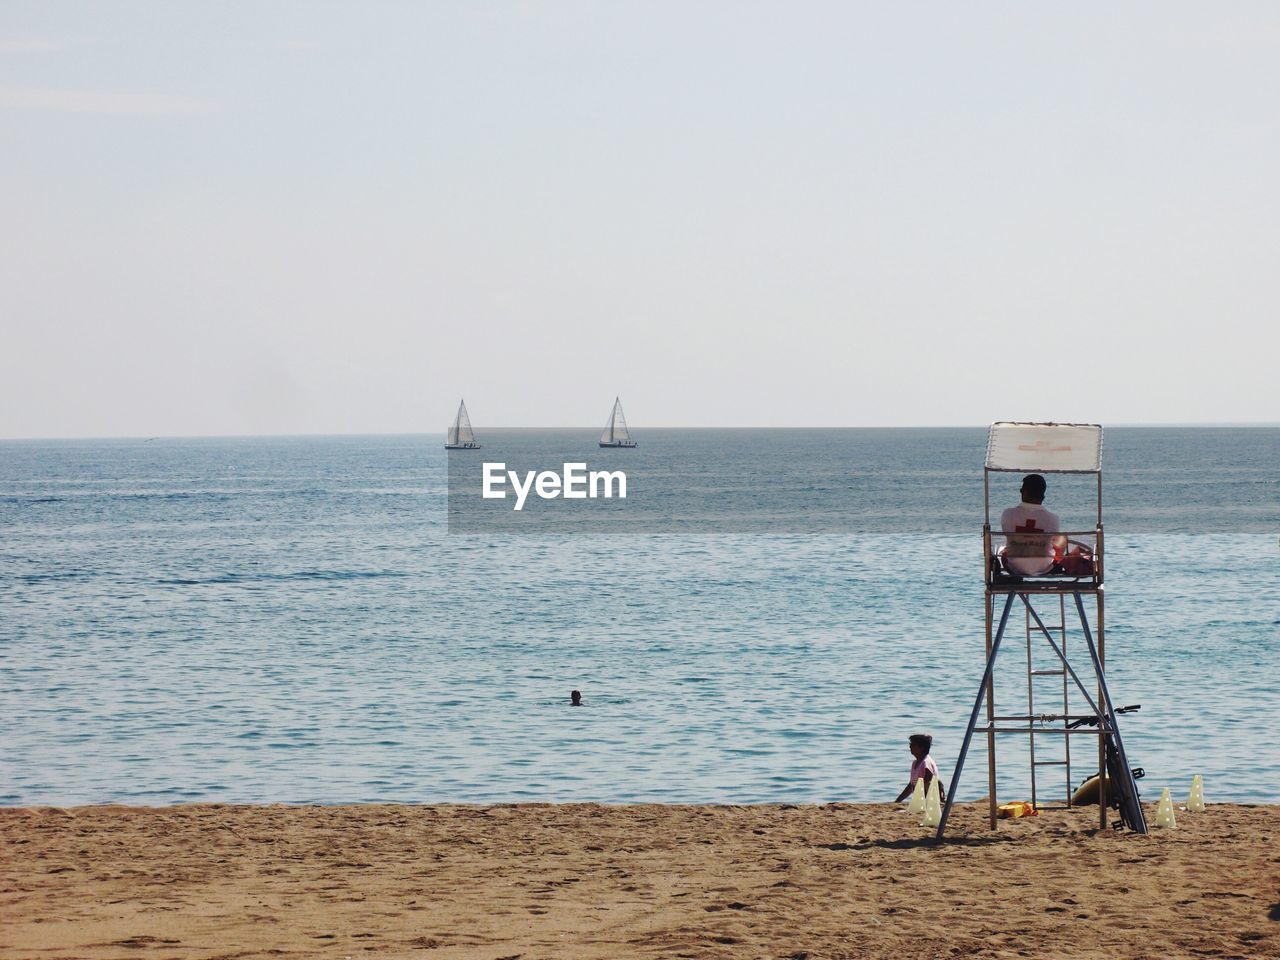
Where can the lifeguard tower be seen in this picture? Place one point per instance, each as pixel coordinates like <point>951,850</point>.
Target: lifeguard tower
<point>1077,559</point>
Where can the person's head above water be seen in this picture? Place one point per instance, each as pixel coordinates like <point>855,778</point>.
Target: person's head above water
<point>575,698</point>
<point>920,745</point>
<point>1033,488</point>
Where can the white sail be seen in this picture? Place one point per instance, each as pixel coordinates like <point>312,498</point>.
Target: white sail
<point>615,431</point>
<point>460,434</point>
<point>620,431</point>
<point>607,435</point>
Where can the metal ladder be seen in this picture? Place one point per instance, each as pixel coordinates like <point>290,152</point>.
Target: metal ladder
<point>1063,709</point>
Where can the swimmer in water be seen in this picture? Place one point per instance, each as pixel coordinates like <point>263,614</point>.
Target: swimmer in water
<point>575,698</point>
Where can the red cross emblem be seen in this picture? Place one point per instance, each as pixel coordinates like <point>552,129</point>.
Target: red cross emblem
<point>1028,527</point>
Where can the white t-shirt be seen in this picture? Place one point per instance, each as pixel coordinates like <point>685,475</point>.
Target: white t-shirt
<point>1028,554</point>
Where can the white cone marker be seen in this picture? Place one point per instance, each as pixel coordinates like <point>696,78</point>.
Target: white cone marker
<point>916,806</point>
<point>932,806</point>
<point>1164,811</point>
<point>1195,802</point>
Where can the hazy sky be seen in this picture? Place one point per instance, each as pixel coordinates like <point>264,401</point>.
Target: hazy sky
<point>306,217</point>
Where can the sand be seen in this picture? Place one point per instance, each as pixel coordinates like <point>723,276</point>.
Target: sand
<point>587,881</point>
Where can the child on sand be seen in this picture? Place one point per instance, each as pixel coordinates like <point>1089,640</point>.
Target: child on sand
<point>922,766</point>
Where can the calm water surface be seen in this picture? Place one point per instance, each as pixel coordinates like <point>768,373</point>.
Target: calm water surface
<point>288,620</point>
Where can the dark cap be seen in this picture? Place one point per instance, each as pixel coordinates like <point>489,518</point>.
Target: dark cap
<point>1034,485</point>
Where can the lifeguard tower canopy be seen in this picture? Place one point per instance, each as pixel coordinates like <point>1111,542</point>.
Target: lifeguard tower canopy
<point>1044,447</point>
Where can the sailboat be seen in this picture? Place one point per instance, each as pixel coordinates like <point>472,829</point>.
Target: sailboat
<point>616,433</point>
<point>460,436</point>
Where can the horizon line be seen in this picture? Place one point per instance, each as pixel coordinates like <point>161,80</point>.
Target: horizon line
<point>1264,424</point>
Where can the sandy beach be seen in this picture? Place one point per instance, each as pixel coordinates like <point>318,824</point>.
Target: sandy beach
<point>589,881</point>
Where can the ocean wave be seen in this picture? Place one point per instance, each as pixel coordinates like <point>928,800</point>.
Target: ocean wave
<point>287,576</point>
<point>56,576</point>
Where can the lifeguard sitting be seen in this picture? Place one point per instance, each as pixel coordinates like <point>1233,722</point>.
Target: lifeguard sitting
<point>1032,549</point>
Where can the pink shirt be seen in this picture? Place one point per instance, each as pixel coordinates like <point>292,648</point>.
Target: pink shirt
<point>920,766</point>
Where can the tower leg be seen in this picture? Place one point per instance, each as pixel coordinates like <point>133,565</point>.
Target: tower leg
<point>973,717</point>
<point>1099,667</point>
<point>991,737</point>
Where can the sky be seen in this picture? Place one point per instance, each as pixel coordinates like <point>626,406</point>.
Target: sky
<point>278,218</point>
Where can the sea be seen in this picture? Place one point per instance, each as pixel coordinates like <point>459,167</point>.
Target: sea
<point>294,620</point>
